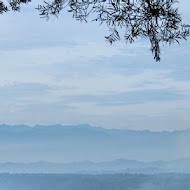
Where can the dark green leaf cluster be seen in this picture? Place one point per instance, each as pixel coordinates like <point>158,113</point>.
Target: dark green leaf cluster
<point>13,5</point>
<point>3,8</point>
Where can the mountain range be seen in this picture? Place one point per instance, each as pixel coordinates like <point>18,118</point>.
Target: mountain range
<point>110,167</point>
<point>57,143</point>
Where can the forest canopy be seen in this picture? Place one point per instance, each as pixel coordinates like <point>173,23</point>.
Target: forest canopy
<point>159,21</point>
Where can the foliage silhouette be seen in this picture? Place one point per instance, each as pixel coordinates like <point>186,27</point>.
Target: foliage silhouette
<point>157,20</point>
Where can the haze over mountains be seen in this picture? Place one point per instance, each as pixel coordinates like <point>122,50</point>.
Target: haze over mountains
<point>110,167</point>
<point>94,182</point>
<point>62,144</point>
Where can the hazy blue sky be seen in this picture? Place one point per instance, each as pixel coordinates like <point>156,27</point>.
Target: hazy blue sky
<point>64,72</point>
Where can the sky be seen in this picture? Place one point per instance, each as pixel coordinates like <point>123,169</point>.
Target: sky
<point>62,71</point>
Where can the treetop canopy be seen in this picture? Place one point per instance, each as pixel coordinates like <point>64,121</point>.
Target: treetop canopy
<point>158,21</point>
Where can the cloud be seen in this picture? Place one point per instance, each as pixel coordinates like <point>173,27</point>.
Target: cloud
<point>63,71</point>
<point>51,55</point>
<point>127,98</point>
<point>23,89</point>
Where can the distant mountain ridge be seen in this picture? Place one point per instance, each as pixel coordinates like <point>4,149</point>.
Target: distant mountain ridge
<point>110,167</point>
<point>80,126</point>
<point>57,143</point>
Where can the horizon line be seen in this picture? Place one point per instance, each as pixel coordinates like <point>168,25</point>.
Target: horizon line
<point>93,126</point>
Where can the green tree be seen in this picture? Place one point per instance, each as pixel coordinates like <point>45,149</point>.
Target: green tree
<point>156,20</point>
